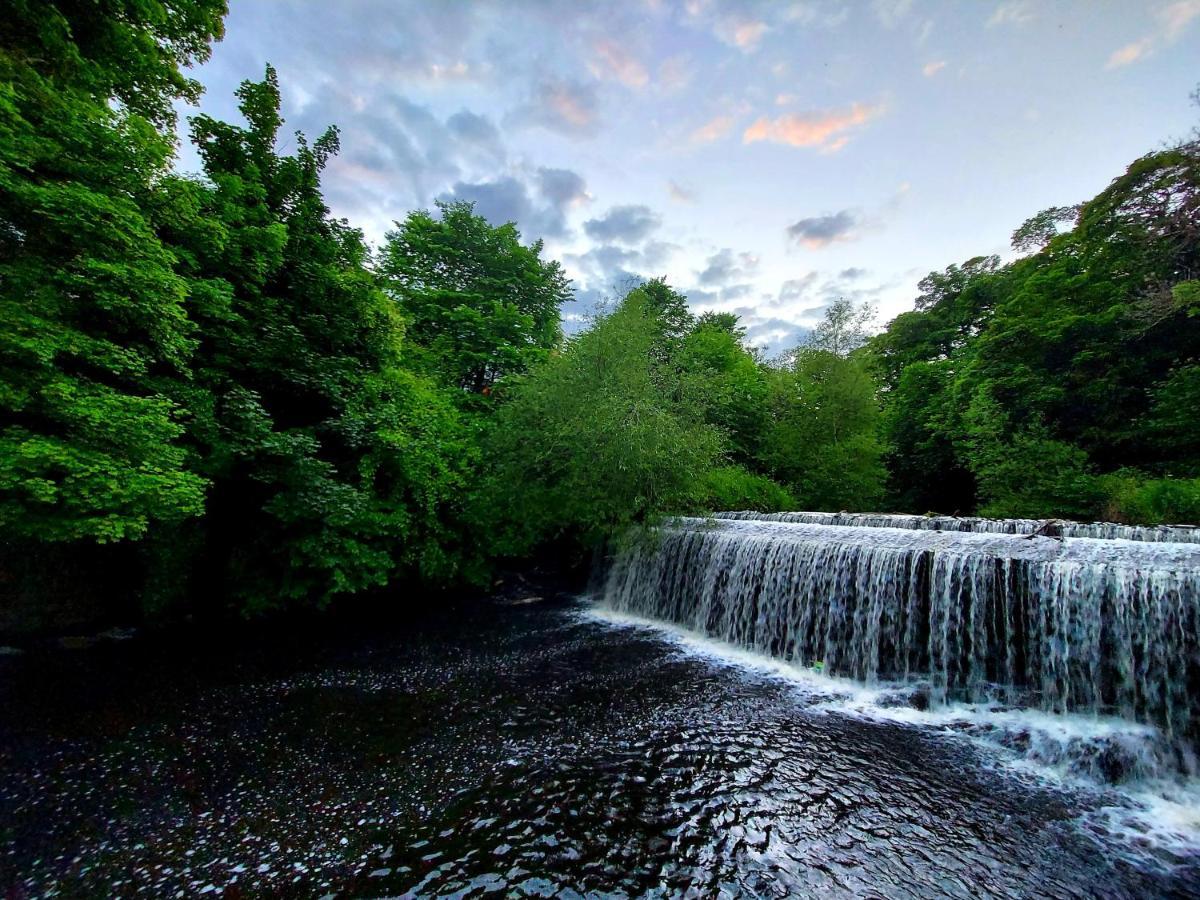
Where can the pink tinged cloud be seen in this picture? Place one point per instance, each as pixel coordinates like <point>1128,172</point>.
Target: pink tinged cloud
<point>561,100</point>
<point>613,62</point>
<point>741,32</point>
<point>824,130</point>
<point>712,130</point>
<point>1176,17</point>
<point>747,34</point>
<point>931,69</point>
<point>1173,20</point>
<point>1129,54</point>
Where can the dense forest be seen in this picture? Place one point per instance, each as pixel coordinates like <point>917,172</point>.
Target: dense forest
<point>216,396</point>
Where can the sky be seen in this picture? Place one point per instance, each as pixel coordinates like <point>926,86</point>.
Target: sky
<point>766,157</point>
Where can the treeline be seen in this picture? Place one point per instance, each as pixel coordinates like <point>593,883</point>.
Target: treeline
<point>1066,383</point>
<point>216,396</point>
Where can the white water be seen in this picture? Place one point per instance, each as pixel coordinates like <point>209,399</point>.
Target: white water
<point>1188,534</point>
<point>1155,811</point>
<point>1109,628</point>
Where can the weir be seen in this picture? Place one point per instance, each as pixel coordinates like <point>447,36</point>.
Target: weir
<point>1075,624</point>
<point>1189,534</point>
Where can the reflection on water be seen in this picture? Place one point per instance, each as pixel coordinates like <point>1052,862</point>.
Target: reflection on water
<point>524,749</point>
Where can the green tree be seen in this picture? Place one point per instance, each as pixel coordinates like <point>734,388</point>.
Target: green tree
<point>333,469</point>
<point>479,304</point>
<point>822,440</point>
<point>600,437</point>
<point>1019,387</point>
<point>728,381</point>
<point>94,324</point>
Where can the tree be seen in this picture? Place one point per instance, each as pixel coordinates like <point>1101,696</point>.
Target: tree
<point>598,438</point>
<point>1037,231</point>
<point>844,328</point>
<point>479,305</point>
<point>822,440</point>
<point>333,470</point>
<point>728,381</point>
<point>1024,387</point>
<point>95,327</point>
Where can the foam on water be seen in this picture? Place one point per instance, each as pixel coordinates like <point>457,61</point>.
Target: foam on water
<point>1102,626</point>
<point>1151,817</point>
<point>1049,527</point>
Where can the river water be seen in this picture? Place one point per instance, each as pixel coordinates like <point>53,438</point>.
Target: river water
<point>539,748</point>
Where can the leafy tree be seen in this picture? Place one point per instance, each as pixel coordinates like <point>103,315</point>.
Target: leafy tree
<point>95,327</point>
<point>822,440</point>
<point>1036,231</point>
<point>332,468</point>
<point>733,487</point>
<point>844,328</point>
<point>479,304</point>
<point>728,381</point>
<point>598,438</point>
<point>1016,385</point>
<point>669,312</point>
<point>926,465</point>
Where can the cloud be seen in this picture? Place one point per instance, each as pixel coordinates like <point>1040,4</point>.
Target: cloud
<point>852,274</point>
<point>932,68</point>
<point>1129,54</point>
<point>741,32</point>
<point>891,12</point>
<point>775,335</point>
<point>608,266</point>
<point>624,224</point>
<point>725,266</point>
<point>396,154</point>
<point>1012,12</point>
<point>568,107</point>
<point>562,187</point>
<point>477,131</point>
<point>1172,20</point>
<point>674,74</point>
<point>1176,17</point>
<point>823,129</point>
<point>821,231</point>
<point>538,205</point>
<point>611,61</point>
<point>713,130</point>
<point>679,193</point>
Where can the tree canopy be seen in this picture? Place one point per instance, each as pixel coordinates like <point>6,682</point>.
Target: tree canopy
<point>212,386</point>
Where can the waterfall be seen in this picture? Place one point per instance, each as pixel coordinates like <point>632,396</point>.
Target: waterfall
<point>1076,624</point>
<point>1189,534</point>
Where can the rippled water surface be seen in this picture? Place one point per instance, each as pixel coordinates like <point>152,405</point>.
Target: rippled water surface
<point>523,749</point>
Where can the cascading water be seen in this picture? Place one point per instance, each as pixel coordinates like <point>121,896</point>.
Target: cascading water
<point>1187,534</point>
<point>1103,627</point>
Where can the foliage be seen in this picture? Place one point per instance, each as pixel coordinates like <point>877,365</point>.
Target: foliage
<point>733,487</point>
<point>1130,496</point>
<point>213,376</point>
<point>479,304</point>
<point>1019,384</point>
<point>729,382</point>
<point>602,436</point>
<point>822,441</point>
<point>333,469</point>
<point>93,312</point>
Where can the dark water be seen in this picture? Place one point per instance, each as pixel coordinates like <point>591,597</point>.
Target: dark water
<point>513,750</point>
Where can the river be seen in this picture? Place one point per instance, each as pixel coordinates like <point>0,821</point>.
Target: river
<point>537,748</point>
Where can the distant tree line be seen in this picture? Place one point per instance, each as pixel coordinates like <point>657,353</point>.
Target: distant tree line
<point>216,396</point>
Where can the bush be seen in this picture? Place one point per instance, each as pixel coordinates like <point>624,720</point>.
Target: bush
<point>1132,497</point>
<point>732,487</point>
